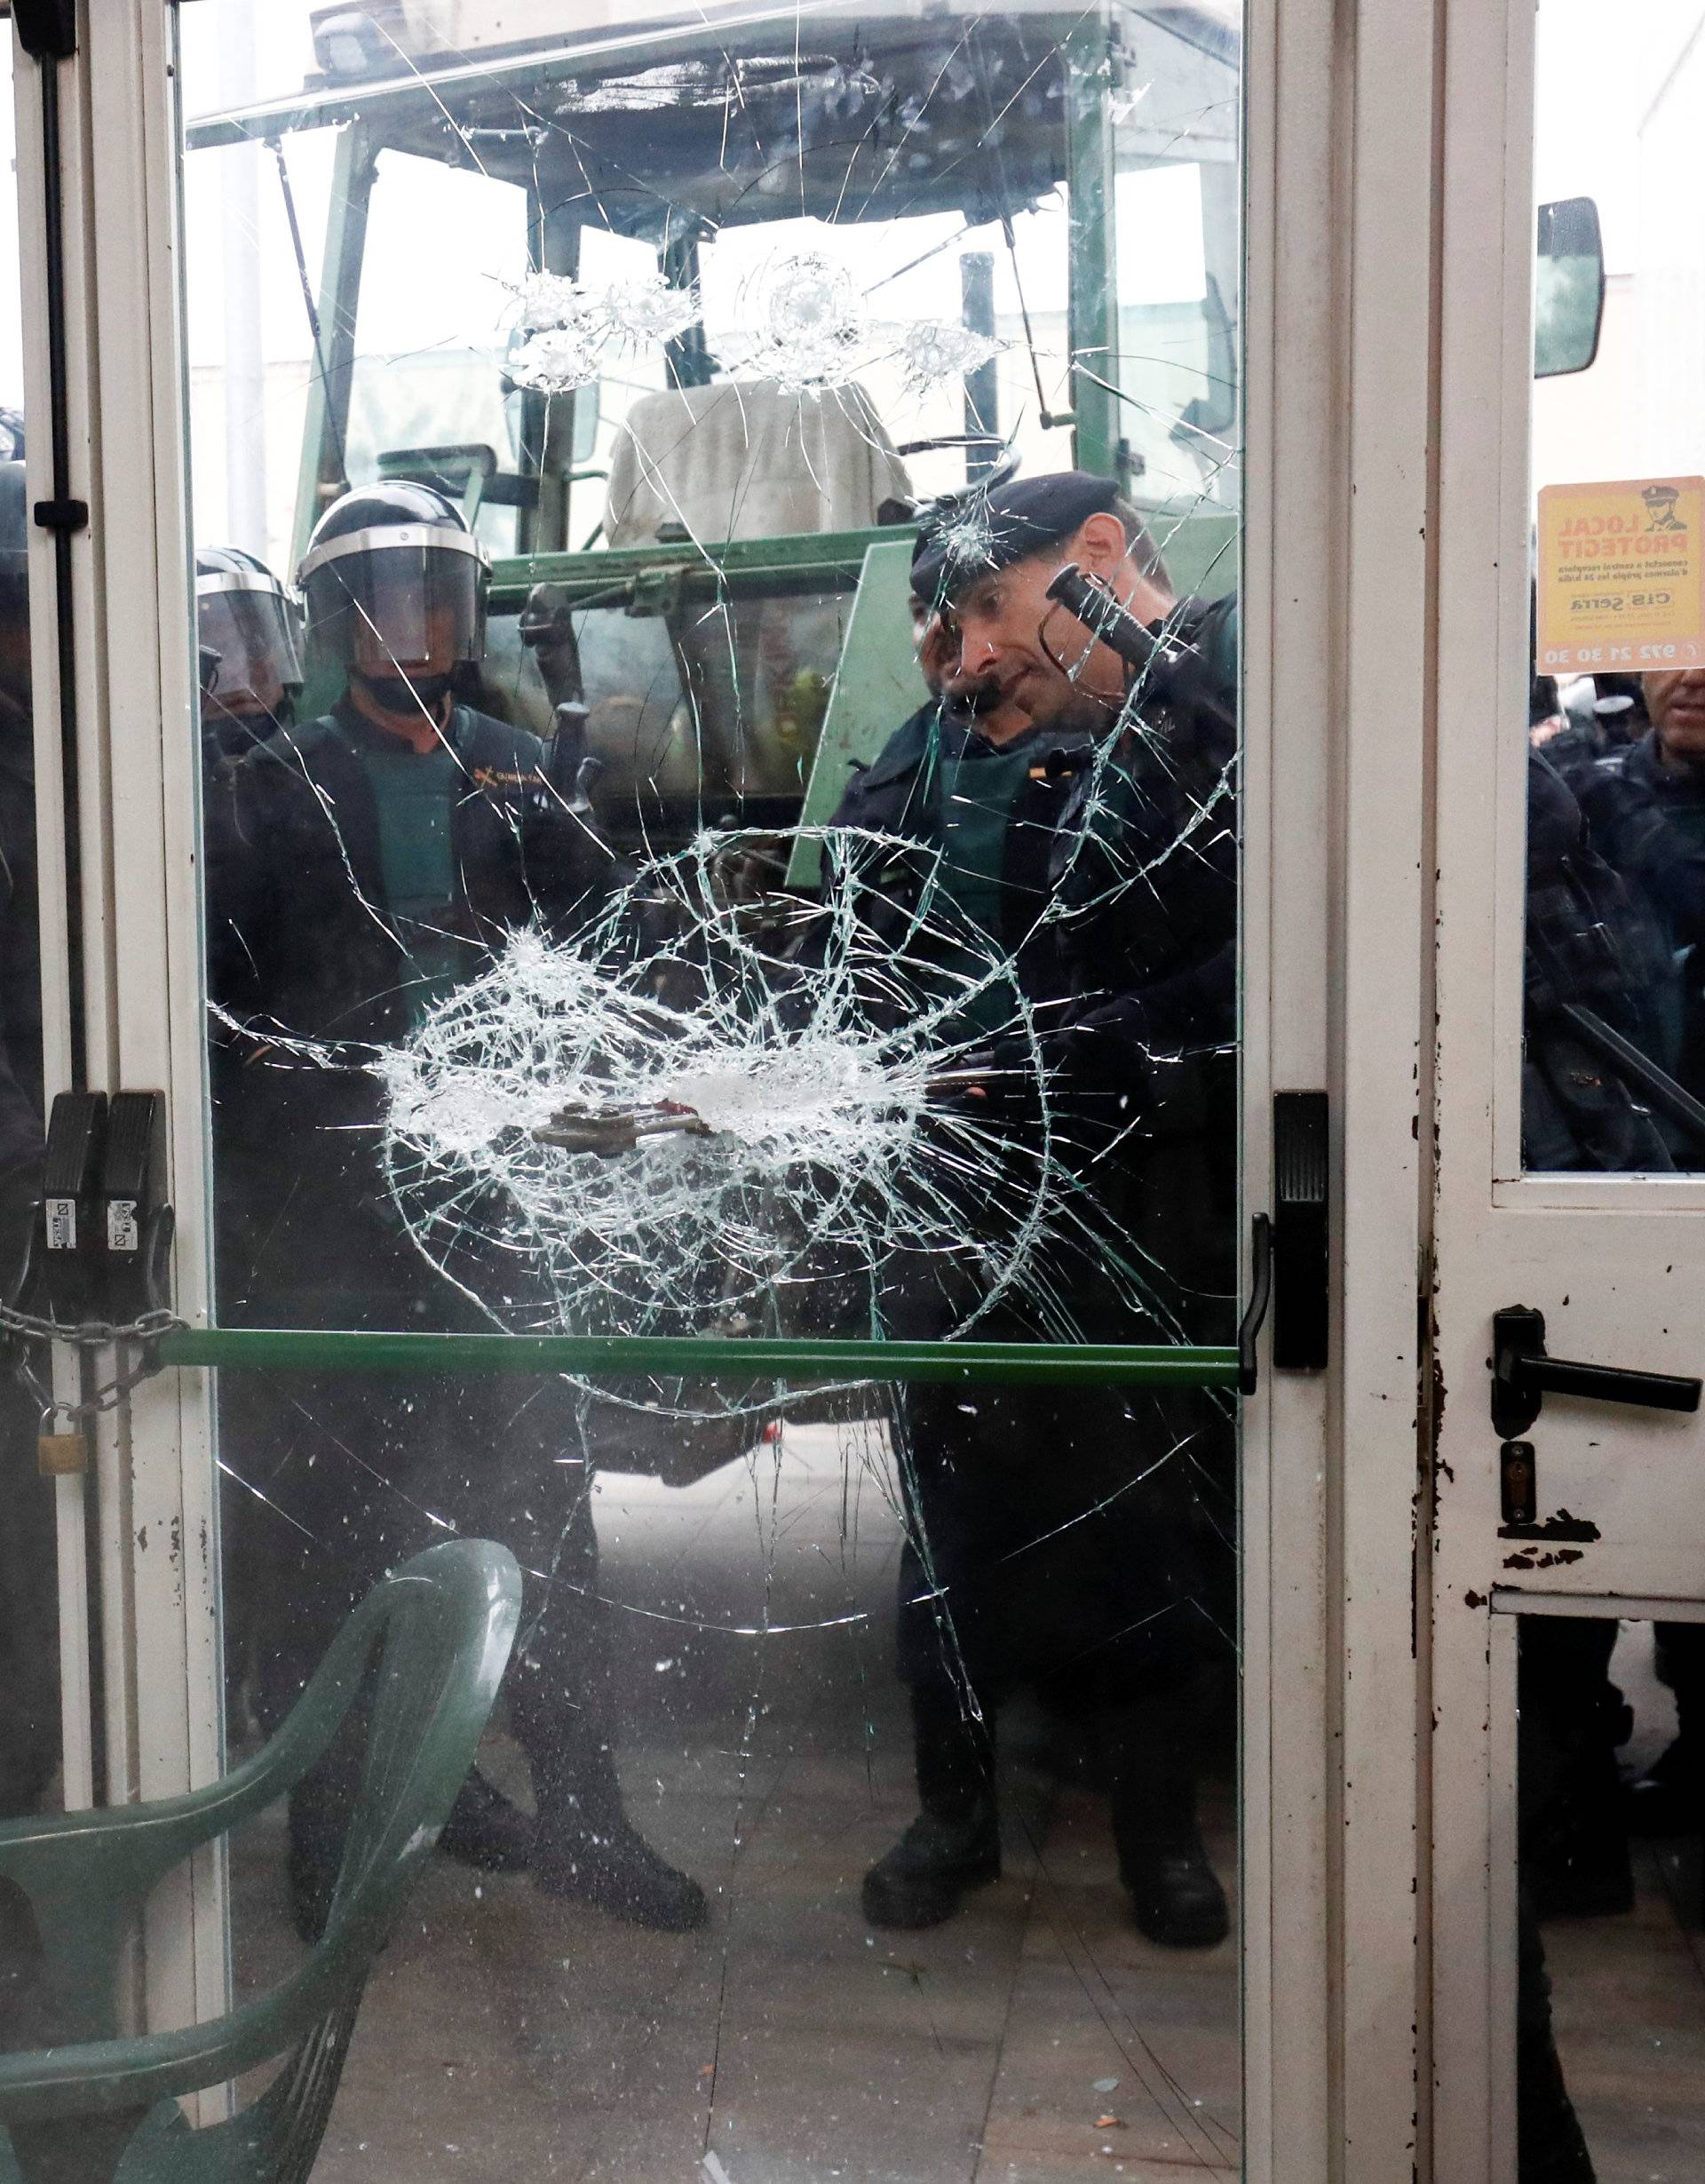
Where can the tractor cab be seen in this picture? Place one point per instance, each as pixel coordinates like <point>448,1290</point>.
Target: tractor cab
<point>689,317</point>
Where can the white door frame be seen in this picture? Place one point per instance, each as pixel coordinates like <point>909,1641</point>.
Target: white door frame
<point>1342,154</point>
<point>1342,267</point>
<point>161,1706</point>
<point>1486,393</point>
<point>1546,1237</point>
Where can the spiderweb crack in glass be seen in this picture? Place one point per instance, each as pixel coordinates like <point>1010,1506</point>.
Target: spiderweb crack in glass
<point>557,359</point>
<point>964,537</point>
<point>803,324</point>
<point>560,333</point>
<point>812,1063</point>
<point>563,333</point>
<point>932,352</point>
<point>649,309</point>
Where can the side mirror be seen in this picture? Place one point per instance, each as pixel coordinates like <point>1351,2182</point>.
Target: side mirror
<point>1569,288</point>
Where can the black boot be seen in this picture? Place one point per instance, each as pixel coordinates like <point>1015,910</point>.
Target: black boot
<point>584,1847</point>
<point>614,1869</point>
<point>921,1880</point>
<point>486,1831</point>
<point>955,1843</point>
<point>1175,1898</point>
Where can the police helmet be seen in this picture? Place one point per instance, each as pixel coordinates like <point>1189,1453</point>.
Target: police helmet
<point>394,582</point>
<point>249,623</point>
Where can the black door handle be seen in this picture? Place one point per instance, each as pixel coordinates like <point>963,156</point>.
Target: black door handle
<point>1260,1298</point>
<point>1523,1375</point>
<point>1301,1254</point>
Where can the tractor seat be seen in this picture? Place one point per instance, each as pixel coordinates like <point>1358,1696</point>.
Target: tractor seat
<point>747,458</point>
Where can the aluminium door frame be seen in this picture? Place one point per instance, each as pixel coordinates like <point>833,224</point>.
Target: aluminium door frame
<point>1340,168</point>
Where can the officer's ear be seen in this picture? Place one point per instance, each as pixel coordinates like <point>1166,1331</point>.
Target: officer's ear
<point>1099,547</point>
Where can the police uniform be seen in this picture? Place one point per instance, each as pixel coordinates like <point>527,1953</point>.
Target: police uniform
<point>362,876</point>
<point>1051,1536</point>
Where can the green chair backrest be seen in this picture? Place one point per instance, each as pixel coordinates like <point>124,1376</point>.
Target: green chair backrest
<point>434,1637</point>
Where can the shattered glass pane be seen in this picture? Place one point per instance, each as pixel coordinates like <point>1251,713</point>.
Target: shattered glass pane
<point>699,882</point>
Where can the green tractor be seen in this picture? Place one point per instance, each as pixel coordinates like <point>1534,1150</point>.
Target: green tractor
<point>690,317</point>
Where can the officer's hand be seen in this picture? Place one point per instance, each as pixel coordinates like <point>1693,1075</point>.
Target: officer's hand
<point>977,1084</point>
<point>937,651</point>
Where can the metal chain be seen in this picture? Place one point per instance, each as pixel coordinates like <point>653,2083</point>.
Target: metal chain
<point>90,1334</point>
<point>105,1398</point>
<point>87,1336</point>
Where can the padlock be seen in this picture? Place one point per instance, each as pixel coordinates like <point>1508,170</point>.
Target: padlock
<point>61,1455</point>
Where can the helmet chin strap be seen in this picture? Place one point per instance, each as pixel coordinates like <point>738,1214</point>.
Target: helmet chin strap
<point>408,698</point>
<point>237,733</point>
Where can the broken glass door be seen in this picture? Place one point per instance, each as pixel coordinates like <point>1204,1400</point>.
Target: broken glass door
<point>716,576</point>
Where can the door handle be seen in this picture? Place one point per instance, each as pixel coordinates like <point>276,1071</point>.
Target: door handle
<point>1289,1261</point>
<point>1301,1254</point>
<point>1256,1310</point>
<point>1523,1375</point>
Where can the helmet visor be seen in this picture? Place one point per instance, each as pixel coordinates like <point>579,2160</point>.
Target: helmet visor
<point>385,610</point>
<point>253,630</point>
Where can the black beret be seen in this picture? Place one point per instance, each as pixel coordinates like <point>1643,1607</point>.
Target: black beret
<point>968,534</point>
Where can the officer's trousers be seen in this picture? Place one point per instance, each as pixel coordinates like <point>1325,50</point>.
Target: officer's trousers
<point>1064,1538</point>
<point>333,1479</point>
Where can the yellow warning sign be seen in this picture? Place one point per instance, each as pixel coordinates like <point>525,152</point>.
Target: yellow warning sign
<point>1622,575</point>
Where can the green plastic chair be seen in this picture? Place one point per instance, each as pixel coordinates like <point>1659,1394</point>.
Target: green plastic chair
<point>97,2108</point>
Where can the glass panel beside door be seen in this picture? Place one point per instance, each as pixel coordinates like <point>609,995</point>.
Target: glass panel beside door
<point>723,1049</point>
<point>1614,1059</point>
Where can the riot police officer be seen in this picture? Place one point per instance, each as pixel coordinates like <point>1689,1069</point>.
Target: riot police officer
<point>249,625</point>
<point>377,856</point>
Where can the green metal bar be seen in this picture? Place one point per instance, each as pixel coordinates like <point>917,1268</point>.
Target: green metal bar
<point>806,560</point>
<point>340,290</point>
<point>1094,293</point>
<point>690,1356</point>
<point>877,686</point>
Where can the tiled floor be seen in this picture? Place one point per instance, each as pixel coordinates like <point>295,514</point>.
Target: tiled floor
<point>1035,2039</point>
